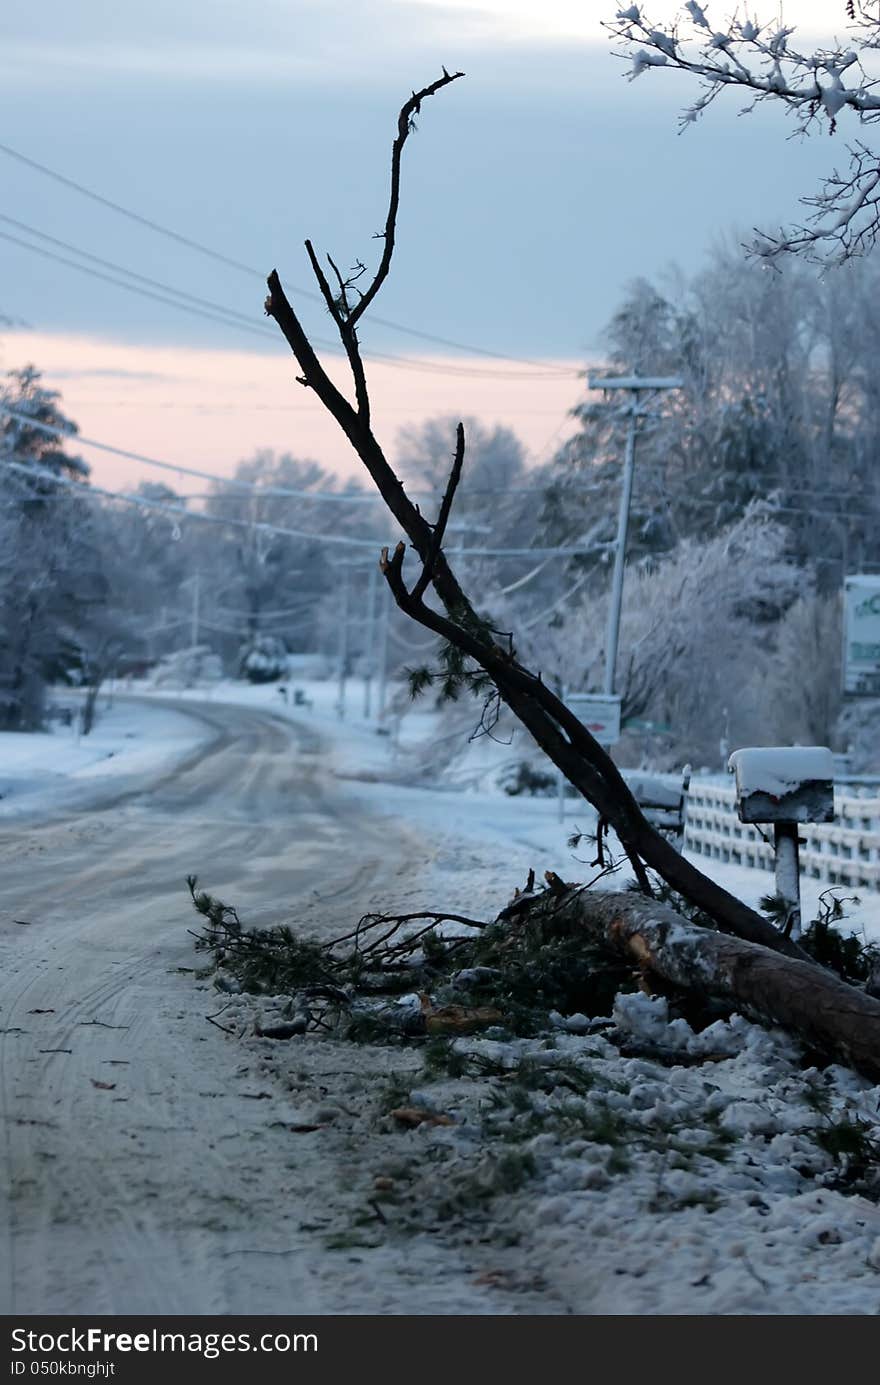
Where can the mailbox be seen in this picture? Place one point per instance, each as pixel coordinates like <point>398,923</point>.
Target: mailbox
<point>790,783</point>
<point>785,785</point>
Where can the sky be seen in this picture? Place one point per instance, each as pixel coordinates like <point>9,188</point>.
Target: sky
<point>534,190</point>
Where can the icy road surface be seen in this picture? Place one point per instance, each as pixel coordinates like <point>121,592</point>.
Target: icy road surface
<point>150,1166</point>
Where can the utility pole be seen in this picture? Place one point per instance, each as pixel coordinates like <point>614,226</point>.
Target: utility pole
<point>194,627</point>
<point>343,643</point>
<point>636,384</point>
<point>370,657</point>
<point>382,651</point>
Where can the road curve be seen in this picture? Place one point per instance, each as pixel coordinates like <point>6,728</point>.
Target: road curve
<point>144,1172</point>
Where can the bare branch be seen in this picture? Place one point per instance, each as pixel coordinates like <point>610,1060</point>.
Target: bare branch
<point>847,213</point>
<point>323,285</point>
<point>404,128</point>
<point>347,332</point>
<point>313,373</point>
<point>443,518</point>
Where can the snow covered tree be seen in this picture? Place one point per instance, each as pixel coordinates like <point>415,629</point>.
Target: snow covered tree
<point>488,496</point>
<point>136,567</point>
<point>22,440</point>
<point>832,86</point>
<point>48,573</point>
<point>276,584</point>
<point>800,691</point>
<point>498,505</point>
<point>263,659</point>
<point>779,403</point>
<point>697,628</point>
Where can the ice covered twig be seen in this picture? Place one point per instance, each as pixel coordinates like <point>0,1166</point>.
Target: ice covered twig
<point>814,83</point>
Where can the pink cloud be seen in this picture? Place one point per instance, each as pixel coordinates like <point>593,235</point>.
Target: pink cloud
<point>212,408</point>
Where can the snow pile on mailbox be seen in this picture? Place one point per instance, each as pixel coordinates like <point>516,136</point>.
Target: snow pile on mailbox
<point>784,783</point>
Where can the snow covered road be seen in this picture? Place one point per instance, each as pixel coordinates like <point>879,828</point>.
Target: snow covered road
<point>152,1163</point>
<point>145,1169</point>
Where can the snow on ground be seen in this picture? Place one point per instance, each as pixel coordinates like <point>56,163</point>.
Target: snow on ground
<point>862,911</point>
<point>709,1182</point>
<point>58,768</point>
<point>702,1188</point>
<point>594,1183</point>
<point>690,1173</point>
<point>467,802</point>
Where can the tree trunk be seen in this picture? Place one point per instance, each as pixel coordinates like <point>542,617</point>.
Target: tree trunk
<point>87,718</point>
<point>827,1013</point>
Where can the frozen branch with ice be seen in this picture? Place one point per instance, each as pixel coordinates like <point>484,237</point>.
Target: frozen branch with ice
<point>815,84</point>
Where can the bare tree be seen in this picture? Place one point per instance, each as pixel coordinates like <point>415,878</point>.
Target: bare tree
<point>819,85</point>
<point>475,652</point>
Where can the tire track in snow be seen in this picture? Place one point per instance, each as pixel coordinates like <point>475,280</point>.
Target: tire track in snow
<point>91,1225</point>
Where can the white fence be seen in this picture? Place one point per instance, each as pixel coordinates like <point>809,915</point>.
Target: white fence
<point>843,852</point>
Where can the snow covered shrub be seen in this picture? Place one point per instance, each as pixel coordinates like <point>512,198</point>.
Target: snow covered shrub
<point>859,730</point>
<point>524,778</point>
<point>263,659</point>
<point>695,635</point>
<point>801,691</point>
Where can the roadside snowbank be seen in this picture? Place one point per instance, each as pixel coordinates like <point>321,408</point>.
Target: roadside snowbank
<point>44,772</point>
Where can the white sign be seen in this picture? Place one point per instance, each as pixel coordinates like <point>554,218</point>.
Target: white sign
<point>861,638</point>
<point>600,713</point>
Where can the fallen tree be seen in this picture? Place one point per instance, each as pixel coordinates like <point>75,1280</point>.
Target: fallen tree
<point>475,652</point>
<point>829,1015</point>
<point>567,949</point>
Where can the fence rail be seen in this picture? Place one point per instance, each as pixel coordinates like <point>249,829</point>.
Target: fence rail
<point>845,852</point>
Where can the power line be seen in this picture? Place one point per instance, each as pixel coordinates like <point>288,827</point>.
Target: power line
<point>524,581</point>
<point>560,601</point>
<point>132,273</point>
<point>408,645</point>
<point>243,486</point>
<point>266,615</point>
<point>132,288</point>
<point>238,265</point>
<point>172,297</point>
<point>125,211</point>
<point>247,487</point>
<point>87,489</point>
<point>810,512</point>
<point>784,482</point>
<point>211,406</point>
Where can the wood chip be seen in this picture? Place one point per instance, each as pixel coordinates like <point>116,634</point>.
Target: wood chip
<point>414,1115</point>
<point>460,1019</point>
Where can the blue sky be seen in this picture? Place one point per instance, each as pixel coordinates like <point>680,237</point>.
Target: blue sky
<point>535,188</point>
<point>533,191</point>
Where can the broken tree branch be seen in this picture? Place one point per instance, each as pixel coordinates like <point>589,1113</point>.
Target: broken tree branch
<point>828,1014</point>
<point>555,729</point>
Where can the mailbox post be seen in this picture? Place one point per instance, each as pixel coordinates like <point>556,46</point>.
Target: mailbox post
<point>785,786</point>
